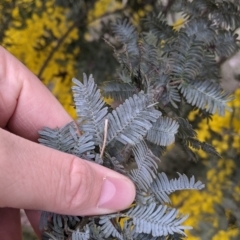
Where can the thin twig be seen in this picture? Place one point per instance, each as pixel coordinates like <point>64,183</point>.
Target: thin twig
<point>175,82</point>
<point>105,137</point>
<point>108,43</point>
<point>158,93</point>
<point>152,105</point>
<point>60,41</point>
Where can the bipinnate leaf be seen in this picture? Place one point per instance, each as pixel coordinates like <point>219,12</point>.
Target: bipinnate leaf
<point>130,121</point>
<point>159,27</point>
<point>226,15</point>
<point>81,235</point>
<point>90,107</point>
<point>67,139</point>
<point>163,131</point>
<point>107,227</point>
<point>146,169</point>
<point>156,219</point>
<point>162,187</point>
<point>206,95</point>
<point>119,91</point>
<point>127,34</point>
<point>60,139</point>
<point>186,57</point>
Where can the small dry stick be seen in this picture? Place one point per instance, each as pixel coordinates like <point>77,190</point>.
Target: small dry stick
<point>105,137</point>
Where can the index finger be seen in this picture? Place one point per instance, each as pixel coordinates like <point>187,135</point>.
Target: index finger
<point>26,105</point>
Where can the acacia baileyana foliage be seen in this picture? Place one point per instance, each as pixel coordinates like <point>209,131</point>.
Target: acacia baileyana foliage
<point>129,128</point>
<point>161,71</point>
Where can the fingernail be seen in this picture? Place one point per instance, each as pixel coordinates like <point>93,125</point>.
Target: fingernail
<point>116,194</point>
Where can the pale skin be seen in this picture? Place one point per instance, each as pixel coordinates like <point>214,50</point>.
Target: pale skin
<point>35,177</point>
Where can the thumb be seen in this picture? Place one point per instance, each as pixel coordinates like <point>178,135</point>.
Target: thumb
<point>33,176</point>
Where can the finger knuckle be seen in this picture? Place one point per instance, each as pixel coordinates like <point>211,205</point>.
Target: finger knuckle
<point>78,187</point>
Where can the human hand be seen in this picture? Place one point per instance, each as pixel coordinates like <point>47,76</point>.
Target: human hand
<point>35,177</point>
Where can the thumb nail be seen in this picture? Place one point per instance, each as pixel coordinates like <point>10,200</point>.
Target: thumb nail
<point>116,194</point>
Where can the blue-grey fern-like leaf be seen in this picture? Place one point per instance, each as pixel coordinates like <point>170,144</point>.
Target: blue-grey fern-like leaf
<point>226,15</point>
<point>198,8</point>
<point>55,224</point>
<point>162,187</point>
<point>185,129</point>
<point>95,231</point>
<point>225,44</point>
<point>125,31</point>
<point>173,95</point>
<point>57,219</point>
<point>130,121</point>
<point>58,138</point>
<point>150,60</point>
<point>90,107</point>
<point>117,90</point>
<point>146,169</point>
<point>124,76</point>
<point>77,235</point>
<point>157,220</point>
<point>149,53</point>
<point>186,57</point>
<point>144,198</point>
<point>196,144</point>
<point>83,145</point>
<point>201,28</point>
<point>206,95</point>
<point>210,68</point>
<point>151,38</point>
<point>68,140</point>
<point>127,231</point>
<point>127,34</point>
<point>163,131</point>
<point>107,227</point>
<point>159,27</point>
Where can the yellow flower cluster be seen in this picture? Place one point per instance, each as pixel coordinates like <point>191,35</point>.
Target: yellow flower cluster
<point>103,7</point>
<point>199,203</point>
<point>236,193</point>
<point>33,45</point>
<point>223,235</point>
<point>137,16</point>
<point>106,7</point>
<point>228,127</point>
<point>218,177</point>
